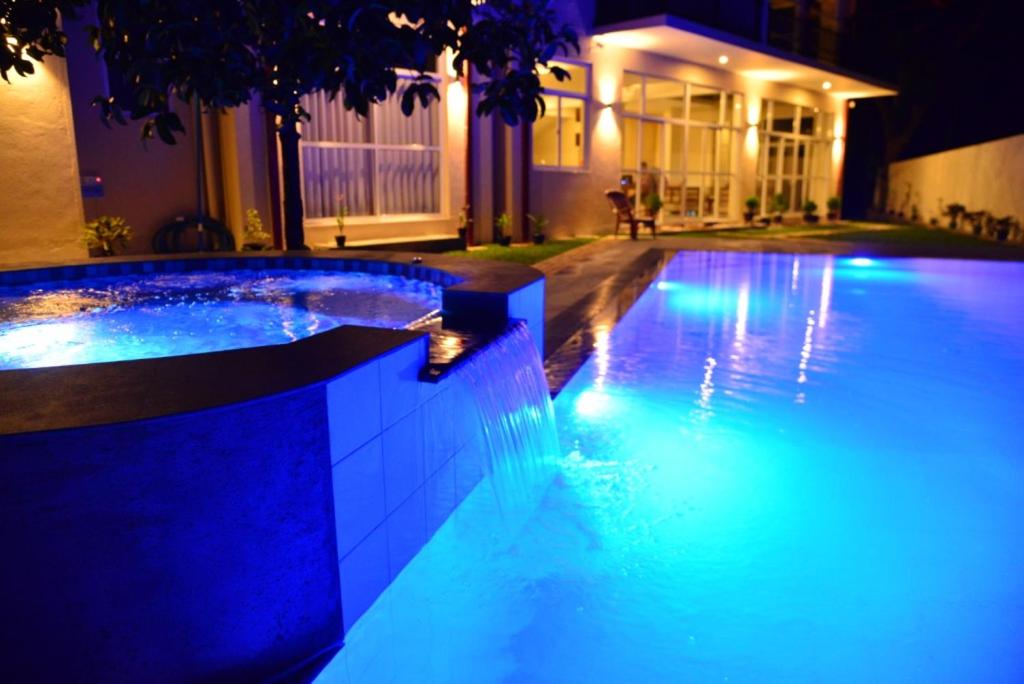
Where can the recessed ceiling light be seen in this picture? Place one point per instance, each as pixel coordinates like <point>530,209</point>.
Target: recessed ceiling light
<point>723,59</point>
<point>827,85</point>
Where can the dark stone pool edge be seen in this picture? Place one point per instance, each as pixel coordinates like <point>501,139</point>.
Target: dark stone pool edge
<point>476,293</point>
<point>571,335</point>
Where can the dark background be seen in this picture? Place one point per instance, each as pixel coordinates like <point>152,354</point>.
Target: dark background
<point>959,68</point>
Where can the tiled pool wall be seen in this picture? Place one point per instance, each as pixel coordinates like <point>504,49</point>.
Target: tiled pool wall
<point>238,541</point>
<point>402,464</point>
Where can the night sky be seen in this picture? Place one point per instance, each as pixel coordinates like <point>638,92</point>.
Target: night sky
<point>959,67</point>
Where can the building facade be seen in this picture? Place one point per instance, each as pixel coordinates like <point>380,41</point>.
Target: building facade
<point>703,104</point>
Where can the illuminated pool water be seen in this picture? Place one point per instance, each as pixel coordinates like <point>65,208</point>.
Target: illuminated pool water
<point>118,318</point>
<point>775,468</point>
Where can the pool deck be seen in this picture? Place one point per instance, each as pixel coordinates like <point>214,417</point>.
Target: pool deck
<point>589,288</point>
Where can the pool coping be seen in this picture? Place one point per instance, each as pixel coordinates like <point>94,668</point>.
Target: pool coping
<point>86,395</point>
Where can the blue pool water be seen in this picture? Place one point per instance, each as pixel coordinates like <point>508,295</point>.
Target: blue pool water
<point>118,318</point>
<point>775,468</point>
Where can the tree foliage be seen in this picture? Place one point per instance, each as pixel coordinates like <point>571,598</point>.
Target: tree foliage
<point>225,53</point>
<point>30,30</point>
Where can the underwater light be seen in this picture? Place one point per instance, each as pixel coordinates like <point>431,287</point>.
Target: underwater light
<point>862,261</point>
<point>664,285</point>
<point>592,403</point>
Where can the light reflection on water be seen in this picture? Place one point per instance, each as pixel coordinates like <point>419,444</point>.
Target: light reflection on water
<point>146,316</point>
<point>820,480</point>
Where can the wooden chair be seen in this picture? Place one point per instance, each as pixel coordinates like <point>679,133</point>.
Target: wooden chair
<point>623,211</point>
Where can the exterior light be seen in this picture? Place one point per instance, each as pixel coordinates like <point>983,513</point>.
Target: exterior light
<point>827,85</point>
<point>853,104</point>
<point>723,59</point>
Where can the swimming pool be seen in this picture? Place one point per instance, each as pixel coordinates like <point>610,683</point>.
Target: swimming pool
<point>774,468</point>
<point>141,316</point>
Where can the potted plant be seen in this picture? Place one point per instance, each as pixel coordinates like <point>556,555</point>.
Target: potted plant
<point>811,211</point>
<point>752,203</point>
<point>779,205</point>
<point>954,212</point>
<point>339,219</point>
<point>254,238</point>
<point>977,220</point>
<point>463,228</point>
<point>653,203</point>
<point>1002,227</point>
<point>501,224</point>
<point>540,224</point>
<point>834,204</point>
<point>106,235</point>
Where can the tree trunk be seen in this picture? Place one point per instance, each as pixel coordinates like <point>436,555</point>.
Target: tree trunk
<point>294,236</point>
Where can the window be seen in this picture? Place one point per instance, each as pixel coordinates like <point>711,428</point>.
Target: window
<point>679,142</point>
<point>385,164</point>
<point>795,155</point>
<point>559,135</point>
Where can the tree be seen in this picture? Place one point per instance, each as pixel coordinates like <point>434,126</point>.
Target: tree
<point>224,53</point>
<point>31,29</point>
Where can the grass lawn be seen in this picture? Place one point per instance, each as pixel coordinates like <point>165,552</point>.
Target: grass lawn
<point>806,230</point>
<point>523,254</point>
<point>914,235</point>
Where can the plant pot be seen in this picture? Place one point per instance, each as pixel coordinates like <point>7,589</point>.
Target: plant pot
<point>538,239</point>
<point>253,247</point>
<point>748,217</point>
<point>777,218</point>
<point>339,240</point>
<point>505,240</point>
<point>811,218</point>
<point>833,215</point>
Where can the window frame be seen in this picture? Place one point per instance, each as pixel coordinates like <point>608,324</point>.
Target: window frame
<point>821,137</point>
<point>560,94</point>
<point>441,148</point>
<point>726,122</point>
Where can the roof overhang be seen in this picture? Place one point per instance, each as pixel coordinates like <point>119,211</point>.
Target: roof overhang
<point>671,36</point>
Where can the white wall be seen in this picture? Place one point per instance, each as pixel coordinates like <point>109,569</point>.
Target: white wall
<point>40,197</point>
<point>985,177</point>
<point>574,200</point>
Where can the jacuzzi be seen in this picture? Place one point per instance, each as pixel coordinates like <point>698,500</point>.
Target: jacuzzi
<point>227,514</point>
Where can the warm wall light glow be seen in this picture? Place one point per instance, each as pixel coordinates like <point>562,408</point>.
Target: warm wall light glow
<point>750,143</point>
<point>458,103</point>
<point>606,90</point>
<point>607,128</point>
<point>627,39</point>
<point>449,64</point>
<point>853,104</point>
<point>827,85</point>
<point>753,111</point>
<point>839,127</point>
<point>770,74</point>
<point>723,59</point>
